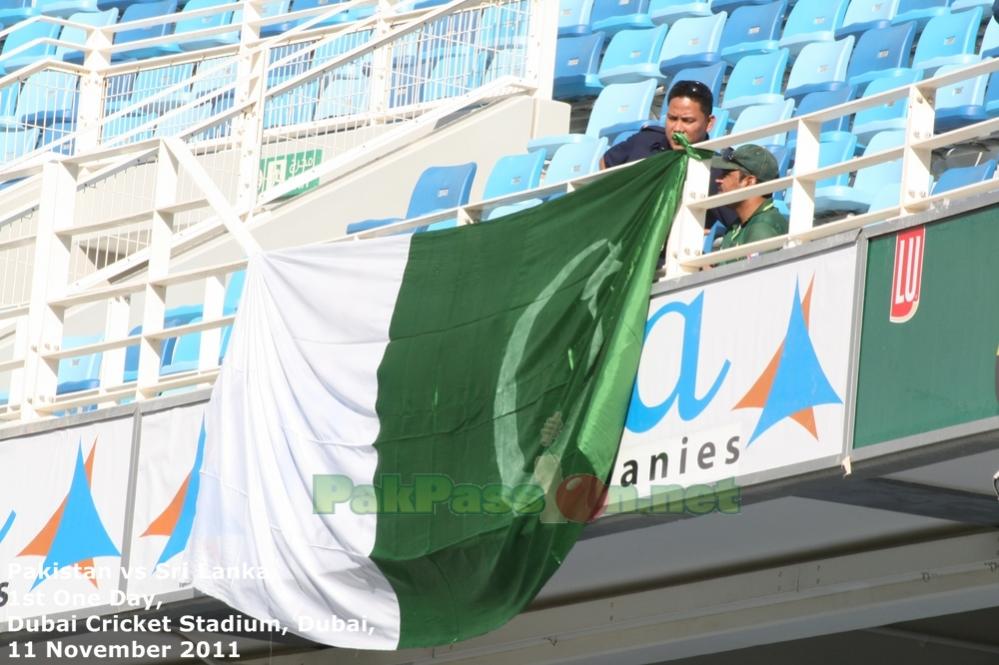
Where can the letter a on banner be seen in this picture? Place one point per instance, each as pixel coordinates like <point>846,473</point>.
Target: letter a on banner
<point>907,277</point>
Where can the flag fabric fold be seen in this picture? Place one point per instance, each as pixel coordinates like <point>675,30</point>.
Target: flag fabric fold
<point>409,432</point>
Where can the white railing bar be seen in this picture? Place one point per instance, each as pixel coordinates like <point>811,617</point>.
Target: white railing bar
<point>8,365</point>
<point>186,329</point>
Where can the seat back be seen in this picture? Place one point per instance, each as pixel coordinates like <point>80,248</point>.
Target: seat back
<point>575,160</point>
<point>811,21</point>
<point>869,181</point>
<point>613,15</point>
<point>341,97</point>
<point>967,175</point>
<point>515,173</point>
<point>692,42</point>
<point>948,39</point>
<point>824,99</point>
<point>575,59</point>
<point>881,52</point>
<point>870,121</point>
<point>144,10</point>
<point>13,12</point>
<point>919,11</point>
<point>711,76</point>
<point>836,151</point>
<point>79,372</point>
<point>820,66</point>
<point>47,97</point>
<point>441,187</point>
<point>574,17</point>
<point>756,79</point>
<point>629,48</point>
<point>456,75</point>
<point>967,93</point>
<point>75,35</point>
<point>621,107</point>
<point>23,35</point>
<point>764,114</point>
<point>862,15</point>
<point>66,8</point>
<point>14,144</point>
<point>668,11</point>
<point>149,82</point>
<point>186,24</point>
<point>751,24</point>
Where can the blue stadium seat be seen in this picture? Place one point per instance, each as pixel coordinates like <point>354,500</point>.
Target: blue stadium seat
<point>818,101</point>
<point>151,81</point>
<point>961,5</point>
<point>863,15</point>
<point>79,35</point>
<point>47,97</point>
<point>577,60</point>
<point>881,52</point>
<point>668,11</point>
<point>81,372</point>
<point>751,30</point>
<point>716,231</point>
<point>621,107</point>
<point>990,42</point>
<point>66,8</point>
<point>342,17</point>
<point>184,352</point>
<point>8,104</point>
<point>961,103</point>
<point>633,56</point>
<point>342,97</point>
<point>575,160</point>
<point>20,37</point>
<point>512,174</point>
<point>177,123</point>
<point>812,21</point>
<point>692,42</point>
<point>186,25</point>
<point>457,74</point>
<point>14,144</point>
<point>114,127</point>
<point>710,76</point>
<point>613,15</point>
<point>574,17</point>
<point>948,40</point>
<point>820,66</point>
<point>720,127</point>
<point>755,79</point>
<point>13,12</point>
<point>836,151</point>
<point>871,121</point>
<point>967,175</point>
<point>272,9</point>
<point>992,95</point>
<point>868,183</point>
<point>56,131</point>
<point>138,12</point>
<point>764,114</point>
<point>919,11</point>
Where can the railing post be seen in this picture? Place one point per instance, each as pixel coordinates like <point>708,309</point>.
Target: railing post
<point>208,352</point>
<point>542,41</point>
<point>90,107</point>
<point>115,327</point>
<point>48,281</point>
<point>381,64</point>
<point>251,83</point>
<point>150,350</point>
<point>916,161</point>
<point>806,158</point>
<point>686,239</point>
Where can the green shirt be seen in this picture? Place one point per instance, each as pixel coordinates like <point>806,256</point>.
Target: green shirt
<point>766,222</point>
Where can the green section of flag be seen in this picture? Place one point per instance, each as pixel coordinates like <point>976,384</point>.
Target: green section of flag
<point>938,368</point>
<point>512,342</point>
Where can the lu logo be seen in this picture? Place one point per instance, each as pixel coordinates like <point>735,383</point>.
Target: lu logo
<point>907,275</point>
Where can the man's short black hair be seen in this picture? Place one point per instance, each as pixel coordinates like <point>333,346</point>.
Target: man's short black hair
<point>695,90</point>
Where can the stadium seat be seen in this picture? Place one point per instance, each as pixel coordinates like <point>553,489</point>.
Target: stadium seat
<point>575,160</point>
<point>812,21</point>
<point>456,75</point>
<point>990,42</point>
<point>961,103</point>
<point>870,121</point>
<point>961,5</point>
<point>836,151</point>
<point>764,114</point>
<point>752,29</point>
<point>729,6</point>
<point>668,11</point>
<point>692,42</point>
<point>948,40</point>
<point>633,56</point>
<point>613,15</point>
<point>992,95</point>
<point>710,76</point>
<point>81,372</point>
<point>574,17</point>
<point>512,174</point>
<point>720,127</point>
<point>621,107</point>
<point>577,60</point>
<point>863,15</point>
<point>14,144</point>
<point>13,12</point>
<point>342,97</point>
<point>868,182</point>
<point>66,8</point>
<point>953,178</point>
<point>881,52</point>
<point>152,81</point>
<point>47,97</point>
<point>274,8</point>
<point>122,125</point>
<point>20,37</point>
<point>178,122</point>
<point>56,131</point>
<point>137,12</point>
<point>190,25</point>
<point>919,11</point>
<point>8,104</point>
<point>820,66</point>
<point>75,35</point>
<point>184,352</point>
<point>716,231</point>
<point>755,79</point>
<point>818,101</point>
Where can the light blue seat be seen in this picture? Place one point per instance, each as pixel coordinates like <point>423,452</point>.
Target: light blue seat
<point>81,372</point>
<point>271,9</point>
<point>79,35</point>
<point>751,30</point>
<point>150,82</point>
<point>720,128</point>
<point>711,76</point>
<point>716,232</point>
<point>13,12</point>
<point>730,5</point>
<point>755,79</point>
<point>66,8</point>
<point>961,103</point>
<point>183,353</point>
<point>863,15</point>
<point>836,151</point>
<point>122,125</point>
<point>961,5</point>
<point>574,17</point>
<point>512,174</point>
<point>871,121</point>
<point>502,27</point>
<point>992,95</point>
<point>341,17</point>
<point>818,101</point>
<point>175,316</point>
<point>621,107</point>
<point>990,42</point>
<point>820,66</point>
<point>293,107</point>
<point>438,188</point>
<point>948,40</point>
<point>47,97</point>
<point>23,35</point>
<point>764,114</point>
<point>967,175</point>
<point>342,97</point>
<point>692,42</point>
<point>574,160</point>
<point>919,11</point>
<point>633,56</point>
<point>456,75</point>
<point>881,52</point>
<point>14,144</point>
<point>812,21</point>
<point>577,60</point>
<point>8,105</point>
<point>52,133</point>
<point>178,122</point>
<point>668,11</point>
<point>190,25</point>
<point>138,12</point>
<point>868,183</point>
<point>613,15</point>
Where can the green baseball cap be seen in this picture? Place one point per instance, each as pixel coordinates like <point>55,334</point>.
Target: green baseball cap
<point>752,159</point>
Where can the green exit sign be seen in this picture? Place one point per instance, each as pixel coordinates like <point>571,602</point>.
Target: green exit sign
<point>275,170</point>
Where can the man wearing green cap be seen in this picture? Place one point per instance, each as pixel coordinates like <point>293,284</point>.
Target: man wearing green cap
<point>743,167</point>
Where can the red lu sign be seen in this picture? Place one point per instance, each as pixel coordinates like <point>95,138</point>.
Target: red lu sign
<point>907,277</point>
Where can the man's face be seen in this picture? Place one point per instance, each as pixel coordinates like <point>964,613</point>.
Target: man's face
<point>684,116</point>
<point>729,181</point>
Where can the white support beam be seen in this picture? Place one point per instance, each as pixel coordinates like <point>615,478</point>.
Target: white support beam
<point>686,239</point>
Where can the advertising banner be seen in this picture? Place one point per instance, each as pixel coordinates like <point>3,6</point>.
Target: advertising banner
<point>928,354</point>
<point>741,376</point>
<point>62,518</point>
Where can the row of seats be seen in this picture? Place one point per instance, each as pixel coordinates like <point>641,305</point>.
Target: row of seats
<point>583,67</point>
